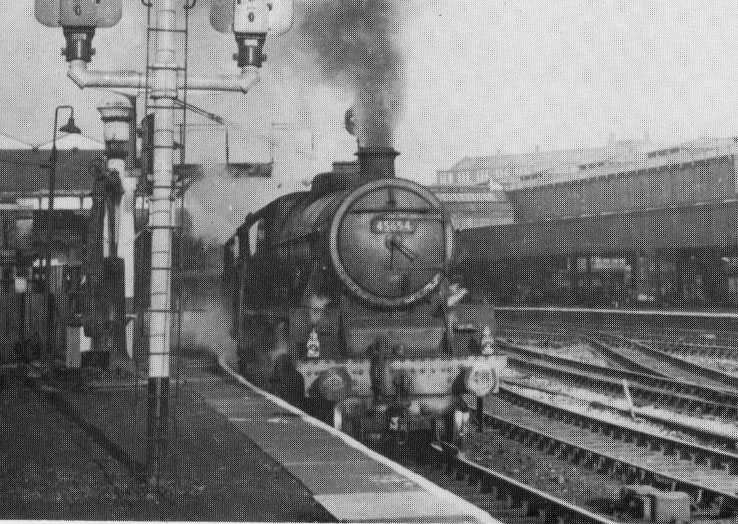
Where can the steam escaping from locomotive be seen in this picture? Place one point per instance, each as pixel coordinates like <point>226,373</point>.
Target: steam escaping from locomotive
<point>357,46</point>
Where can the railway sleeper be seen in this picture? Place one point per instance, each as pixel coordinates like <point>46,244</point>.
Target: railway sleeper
<point>699,458</point>
<point>565,452</point>
<point>589,459</point>
<point>462,473</point>
<point>529,439</point>
<point>554,448</point>
<point>619,470</point>
<point>726,508</point>
<point>578,456</point>
<point>487,486</point>
<point>646,477</point>
<point>605,464</point>
<point>629,475</point>
<point>599,463</point>
<point>474,479</point>
<point>544,443</point>
<point>703,500</point>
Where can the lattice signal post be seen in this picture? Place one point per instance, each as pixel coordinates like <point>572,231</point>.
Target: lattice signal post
<point>250,21</point>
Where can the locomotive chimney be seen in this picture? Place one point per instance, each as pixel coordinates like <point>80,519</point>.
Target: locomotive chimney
<point>376,162</point>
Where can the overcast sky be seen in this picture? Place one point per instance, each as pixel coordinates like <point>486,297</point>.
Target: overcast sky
<point>482,76</point>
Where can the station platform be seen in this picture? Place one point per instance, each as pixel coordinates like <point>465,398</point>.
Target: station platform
<point>236,453</point>
<point>352,482</point>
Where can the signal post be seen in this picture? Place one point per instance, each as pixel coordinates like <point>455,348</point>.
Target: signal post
<point>249,21</point>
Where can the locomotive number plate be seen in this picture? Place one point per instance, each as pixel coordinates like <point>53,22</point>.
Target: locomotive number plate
<point>393,224</point>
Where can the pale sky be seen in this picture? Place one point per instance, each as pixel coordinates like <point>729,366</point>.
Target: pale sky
<point>481,76</point>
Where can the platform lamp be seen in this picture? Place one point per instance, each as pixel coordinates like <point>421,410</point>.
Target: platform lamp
<point>69,128</point>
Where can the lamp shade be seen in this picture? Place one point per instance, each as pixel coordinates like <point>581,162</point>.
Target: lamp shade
<point>70,127</point>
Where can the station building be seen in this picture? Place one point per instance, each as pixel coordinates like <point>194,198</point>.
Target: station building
<point>626,225</point>
<point>24,175</point>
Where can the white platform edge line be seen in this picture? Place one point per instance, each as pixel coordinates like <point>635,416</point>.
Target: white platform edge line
<point>454,501</point>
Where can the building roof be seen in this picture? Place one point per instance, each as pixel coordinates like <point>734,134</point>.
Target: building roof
<point>543,158</point>
<point>75,141</point>
<point>26,171</point>
<point>542,168</point>
<point>9,142</point>
<point>634,160</point>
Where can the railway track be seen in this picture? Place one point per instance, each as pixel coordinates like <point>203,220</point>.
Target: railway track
<point>722,358</point>
<point>675,357</point>
<point>643,357</point>
<point>682,341</point>
<point>649,435</point>
<point>684,395</point>
<point>690,349</point>
<point>504,497</point>
<point>695,341</point>
<point>671,407</point>
<point>627,456</point>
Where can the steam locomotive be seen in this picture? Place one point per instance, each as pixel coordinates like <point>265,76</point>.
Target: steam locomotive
<point>343,304</point>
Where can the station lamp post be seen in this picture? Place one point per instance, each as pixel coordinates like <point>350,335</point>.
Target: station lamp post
<point>69,128</point>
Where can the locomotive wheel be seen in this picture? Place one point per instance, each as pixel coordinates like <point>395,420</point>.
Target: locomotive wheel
<point>453,427</point>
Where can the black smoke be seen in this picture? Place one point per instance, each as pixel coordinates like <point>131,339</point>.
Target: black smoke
<point>356,43</point>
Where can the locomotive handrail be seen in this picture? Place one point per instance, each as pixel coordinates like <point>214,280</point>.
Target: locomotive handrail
<point>420,211</point>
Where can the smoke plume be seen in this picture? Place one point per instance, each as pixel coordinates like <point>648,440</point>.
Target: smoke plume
<point>356,42</point>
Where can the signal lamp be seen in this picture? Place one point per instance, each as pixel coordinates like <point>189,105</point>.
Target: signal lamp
<point>313,345</point>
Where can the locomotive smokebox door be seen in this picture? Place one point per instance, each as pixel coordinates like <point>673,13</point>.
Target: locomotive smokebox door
<point>78,13</point>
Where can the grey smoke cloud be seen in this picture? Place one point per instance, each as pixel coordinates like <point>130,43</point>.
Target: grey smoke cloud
<point>357,46</point>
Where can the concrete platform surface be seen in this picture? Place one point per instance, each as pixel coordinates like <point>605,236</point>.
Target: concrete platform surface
<point>352,482</point>
<point>235,453</point>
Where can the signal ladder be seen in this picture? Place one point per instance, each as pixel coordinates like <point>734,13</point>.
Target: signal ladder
<point>179,186</point>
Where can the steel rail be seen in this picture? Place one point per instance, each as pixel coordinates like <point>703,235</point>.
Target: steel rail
<point>715,395</point>
<point>692,369</point>
<point>610,386</point>
<point>677,348</point>
<point>532,502</point>
<point>623,312</point>
<point>715,458</point>
<point>628,471</point>
<point>722,344</point>
<point>688,348</point>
